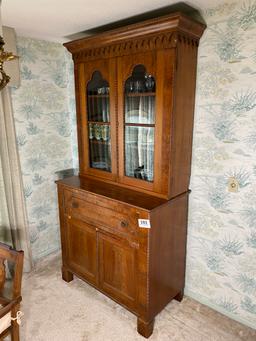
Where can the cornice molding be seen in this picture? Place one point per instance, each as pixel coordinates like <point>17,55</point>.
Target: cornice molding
<point>169,40</point>
<point>163,32</point>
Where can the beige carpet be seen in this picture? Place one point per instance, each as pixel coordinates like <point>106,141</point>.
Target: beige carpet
<point>59,311</point>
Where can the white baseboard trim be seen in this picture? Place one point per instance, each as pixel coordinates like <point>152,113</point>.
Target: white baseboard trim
<point>205,301</point>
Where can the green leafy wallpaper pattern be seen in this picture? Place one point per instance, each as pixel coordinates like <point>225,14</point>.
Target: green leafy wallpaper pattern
<point>44,111</point>
<point>221,251</point>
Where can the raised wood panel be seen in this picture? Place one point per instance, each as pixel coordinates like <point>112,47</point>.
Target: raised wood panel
<point>82,249</point>
<point>118,270</point>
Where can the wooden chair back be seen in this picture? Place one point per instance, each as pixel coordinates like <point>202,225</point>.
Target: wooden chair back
<point>8,254</point>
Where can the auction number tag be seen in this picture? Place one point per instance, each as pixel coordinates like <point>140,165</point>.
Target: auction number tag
<point>145,223</point>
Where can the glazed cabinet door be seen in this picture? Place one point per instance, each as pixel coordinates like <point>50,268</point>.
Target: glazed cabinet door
<point>117,269</point>
<point>82,249</point>
<point>96,118</point>
<point>145,84</point>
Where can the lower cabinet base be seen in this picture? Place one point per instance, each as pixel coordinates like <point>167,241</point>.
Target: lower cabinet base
<point>145,328</point>
<point>140,269</point>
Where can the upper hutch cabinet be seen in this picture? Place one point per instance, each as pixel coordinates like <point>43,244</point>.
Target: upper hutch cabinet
<point>124,218</point>
<point>135,103</point>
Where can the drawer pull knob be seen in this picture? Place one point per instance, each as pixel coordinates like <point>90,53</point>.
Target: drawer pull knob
<point>124,223</point>
<point>75,204</point>
<point>69,217</point>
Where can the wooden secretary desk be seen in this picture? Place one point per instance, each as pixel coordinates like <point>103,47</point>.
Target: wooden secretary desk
<point>124,218</point>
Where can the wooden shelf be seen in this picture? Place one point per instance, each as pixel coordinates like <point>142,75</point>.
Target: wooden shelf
<point>98,96</point>
<point>140,94</point>
<point>99,123</point>
<point>94,141</point>
<point>139,125</point>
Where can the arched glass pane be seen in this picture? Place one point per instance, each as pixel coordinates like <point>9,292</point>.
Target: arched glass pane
<point>139,121</point>
<point>98,115</point>
<point>98,98</point>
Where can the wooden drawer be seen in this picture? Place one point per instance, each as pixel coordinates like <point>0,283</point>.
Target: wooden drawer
<point>116,217</point>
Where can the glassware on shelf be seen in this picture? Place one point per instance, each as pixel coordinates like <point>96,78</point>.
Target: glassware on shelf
<point>103,90</point>
<point>91,131</point>
<point>130,86</point>
<point>149,83</point>
<point>99,132</point>
<point>138,86</point>
<point>105,133</point>
<point>140,173</point>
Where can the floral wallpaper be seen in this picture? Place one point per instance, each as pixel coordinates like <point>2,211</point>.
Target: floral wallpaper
<point>44,113</point>
<point>221,251</point>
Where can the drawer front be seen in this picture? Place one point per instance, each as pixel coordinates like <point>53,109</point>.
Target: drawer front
<point>117,217</point>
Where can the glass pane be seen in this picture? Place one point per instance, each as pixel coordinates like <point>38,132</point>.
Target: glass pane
<point>98,115</point>
<point>140,82</point>
<point>98,108</point>
<point>140,109</point>
<point>98,98</point>
<point>139,152</point>
<point>100,147</point>
<point>140,97</point>
<point>139,121</point>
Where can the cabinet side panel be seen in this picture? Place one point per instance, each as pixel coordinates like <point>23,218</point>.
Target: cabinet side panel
<point>168,236</point>
<point>183,117</point>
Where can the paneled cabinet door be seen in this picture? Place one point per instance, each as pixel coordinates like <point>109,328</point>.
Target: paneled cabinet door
<point>97,119</point>
<point>82,249</point>
<point>117,269</point>
<point>144,106</point>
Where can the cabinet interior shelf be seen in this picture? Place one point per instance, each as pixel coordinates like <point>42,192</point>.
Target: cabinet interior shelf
<point>98,96</point>
<point>139,125</point>
<point>99,141</point>
<point>99,123</point>
<point>140,94</point>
